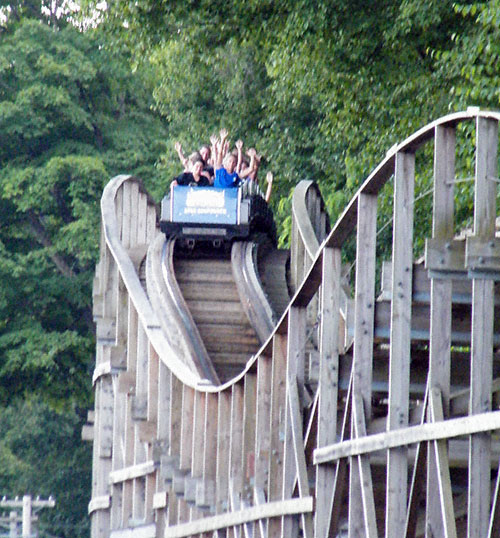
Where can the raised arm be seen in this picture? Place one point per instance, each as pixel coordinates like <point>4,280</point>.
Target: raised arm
<point>239,147</point>
<point>249,169</point>
<point>219,147</point>
<point>182,158</point>
<point>269,179</point>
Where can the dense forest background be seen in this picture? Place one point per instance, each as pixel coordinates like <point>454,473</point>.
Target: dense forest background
<point>89,90</point>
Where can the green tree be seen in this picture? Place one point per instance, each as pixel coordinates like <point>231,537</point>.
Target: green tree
<point>71,116</point>
<point>323,89</point>
<point>41,454</point>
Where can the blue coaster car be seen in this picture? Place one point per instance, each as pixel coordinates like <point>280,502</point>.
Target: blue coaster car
<point>210,214</point>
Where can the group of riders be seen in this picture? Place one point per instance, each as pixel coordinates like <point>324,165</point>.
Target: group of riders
<point>218,166</point>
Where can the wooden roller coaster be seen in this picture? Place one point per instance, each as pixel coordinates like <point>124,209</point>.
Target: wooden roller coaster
<point>268,394</point>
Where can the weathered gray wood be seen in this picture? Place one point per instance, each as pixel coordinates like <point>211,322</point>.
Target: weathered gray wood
<point>223,451</point>
<point>140,448</point>
<point>328,386</point>
<point>364,312</point>
<point>101,460</point>
<point>128,439</point>
<point>142,531</point>
<point>134,471</point>
<point>296,343</point>
<point>205,495</point>
<point>399,369</point>
<point>160,448</point>
<point>236,463</point>
<point>300,460</point>
<point>198,446</point>
<point>186,454</point>
<point>248,441</point>
<point>278,405</point>
<point>494,527</point>
<point>269,510</point>
<point>368,522</point>
<point>263,423</point>
<point>124,288</point>
<point>482,328</point>
<point>441,311</point>
<point>454,427</point>
<point>445,499</point>
<point>418,483</point>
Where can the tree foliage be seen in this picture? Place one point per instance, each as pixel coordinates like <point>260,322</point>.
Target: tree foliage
<point>42,454</point>
<point>71,116</point>
<point>324,89</point>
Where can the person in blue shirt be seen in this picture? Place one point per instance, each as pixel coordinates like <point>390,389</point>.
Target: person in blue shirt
<point>225,168</point>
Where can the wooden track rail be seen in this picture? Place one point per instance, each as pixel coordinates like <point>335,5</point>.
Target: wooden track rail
<point>392,430</point>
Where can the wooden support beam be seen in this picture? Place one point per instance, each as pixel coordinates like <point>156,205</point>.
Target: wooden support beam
<point>399,353</point>
<point>443,469</point>
<point>300,460</point>
<point>417,488</point>
<point>403,437</point>
<point>205,493</point>
<point>364,312</point>
<point>129,473</point>
<point>263,422</point>
<point>240,517</point>
<point>197,447</point>
<point>278,404</point>
<point>369,521</point>
<point>440,314</point>
<point>175,414</point>
<point>236,462</point>
<point>328,386</point>
<point>294,374</point>
<point>223,451</point>
<point>482,328</point>
<point>248,441</point>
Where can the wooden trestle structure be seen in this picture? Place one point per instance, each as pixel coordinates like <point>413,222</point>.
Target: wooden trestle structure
<point>361,413</point>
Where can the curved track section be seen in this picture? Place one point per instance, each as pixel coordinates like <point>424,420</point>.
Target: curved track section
<point>170,306</point>
<point>214,307</point>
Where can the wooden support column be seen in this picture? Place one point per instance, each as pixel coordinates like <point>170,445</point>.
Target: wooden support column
<point>163,440</point>
<point>174,447</point>
<point>140,403</point>
<point>127,385</point>
<point>482,327</point>
<point>248,445</point>
<point>295,374</point>
<point>278,403</point>
<point>223,451</point>
<point>149,434</point>
<point>361,501</point>
<point>328,386</point>
<point>399,368</point>
<point>262,433</point>
<point>440,329</point>
<point>198,448</point>
<point>102,449</point>
<point>205,494</point>
<point>118,462</point>
<point>186,451</point>
<point>236,463</point>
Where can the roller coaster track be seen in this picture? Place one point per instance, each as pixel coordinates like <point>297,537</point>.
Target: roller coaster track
<point>220,410</point>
